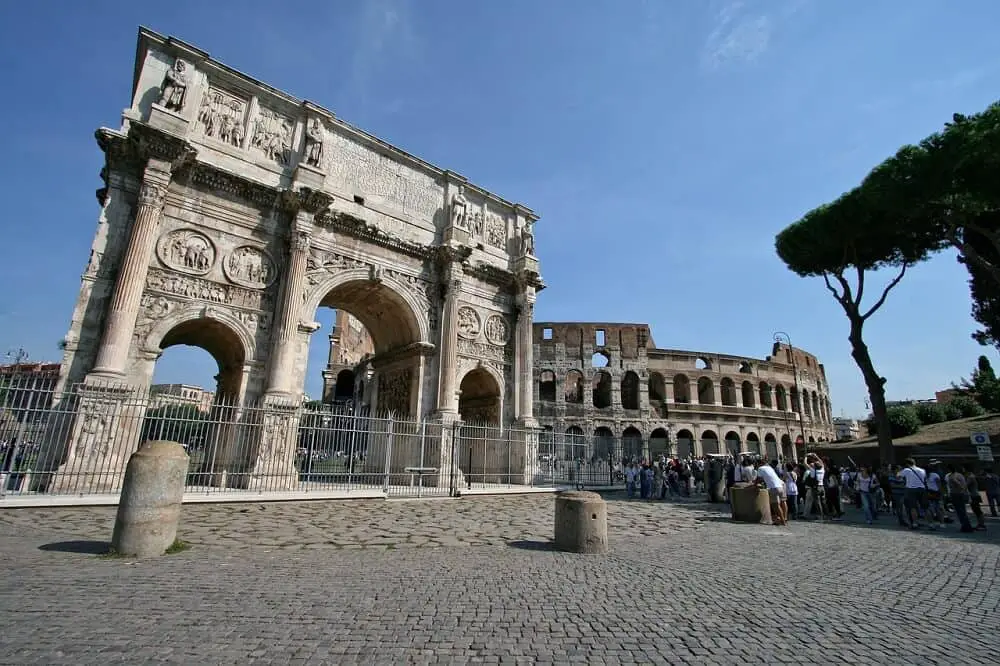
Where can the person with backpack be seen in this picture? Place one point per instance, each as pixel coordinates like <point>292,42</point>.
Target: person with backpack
<point>867,483</point>
<point>791,479</point>
<point>960,496</point>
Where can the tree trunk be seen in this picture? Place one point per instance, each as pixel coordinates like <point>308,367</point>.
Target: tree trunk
<point>876,389</point>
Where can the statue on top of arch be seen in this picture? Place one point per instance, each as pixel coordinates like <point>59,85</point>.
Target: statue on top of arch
<point>173,90</point>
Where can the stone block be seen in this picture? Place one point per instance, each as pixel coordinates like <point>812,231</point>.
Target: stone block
<point>750,504</point>
<point>150,504</point>
<point>169,121</point>
<point>581,522</point>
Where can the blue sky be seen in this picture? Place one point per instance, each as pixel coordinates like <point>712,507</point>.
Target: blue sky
<point>663,142</point>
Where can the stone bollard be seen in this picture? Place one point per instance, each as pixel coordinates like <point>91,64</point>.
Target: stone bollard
<point>150,504</point>
<point>581,522</point>
<point>750,504</point>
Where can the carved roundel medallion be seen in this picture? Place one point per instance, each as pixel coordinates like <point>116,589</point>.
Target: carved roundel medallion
<point>250,267</point>
<point>469,323</point>
<point>497,329</point>
<point>187,251</point>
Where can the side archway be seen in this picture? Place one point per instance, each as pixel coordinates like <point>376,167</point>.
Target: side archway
<point>480,397</point>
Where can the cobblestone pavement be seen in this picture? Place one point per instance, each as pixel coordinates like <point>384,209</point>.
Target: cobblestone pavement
<point>681,585</point>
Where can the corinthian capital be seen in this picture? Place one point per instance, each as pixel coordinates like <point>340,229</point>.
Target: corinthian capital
<point>305,199</point>
<point>300,241</point>
<point>151,194</point>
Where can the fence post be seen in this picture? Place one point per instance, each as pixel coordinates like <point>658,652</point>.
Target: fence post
<point>388,453</point>
<point>452,489</point>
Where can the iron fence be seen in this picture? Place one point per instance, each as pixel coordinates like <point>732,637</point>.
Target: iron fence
<point>78,443</point>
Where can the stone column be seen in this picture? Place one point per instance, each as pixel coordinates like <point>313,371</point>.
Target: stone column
<point>286,329</point>
<point>447,402</point>
<point>119,325</point>
<point>523,354</point>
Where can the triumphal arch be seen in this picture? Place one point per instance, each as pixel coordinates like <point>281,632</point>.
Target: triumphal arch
<point>231,211</point>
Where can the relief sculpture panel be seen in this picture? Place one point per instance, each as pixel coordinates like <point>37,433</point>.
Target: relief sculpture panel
<point>272,136</point>
<point>222,116</point>
<point>186,250</point>
<point>250,267</point>
<point>469,323</point>
<point>497,329</point>
<point>394,391</point>
<point>164,282</point>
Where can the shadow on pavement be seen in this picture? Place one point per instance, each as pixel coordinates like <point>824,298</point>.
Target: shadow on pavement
<point>532,545</point>
<point>77,547</point>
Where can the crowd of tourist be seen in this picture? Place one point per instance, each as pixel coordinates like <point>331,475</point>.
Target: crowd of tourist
<point>814,488</point>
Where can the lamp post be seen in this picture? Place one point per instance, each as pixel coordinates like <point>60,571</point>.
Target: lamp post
<point>798,391</point>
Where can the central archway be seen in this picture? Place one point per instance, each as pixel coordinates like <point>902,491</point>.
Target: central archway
<point>390,351</point>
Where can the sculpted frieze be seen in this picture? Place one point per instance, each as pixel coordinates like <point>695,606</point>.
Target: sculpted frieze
<point>497,329</point>
<point>222,116</point>
<point>194,288</point>
<point>250,267</point>
<point>394,390</point>
<point>469,323</point>
<point>186,250</point>
<point>152,308</point>
<point>370,173</point>
<point>486,352</point>
<point>271,136</point>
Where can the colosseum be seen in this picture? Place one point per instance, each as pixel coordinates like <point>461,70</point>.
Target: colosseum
<point>604,389</point>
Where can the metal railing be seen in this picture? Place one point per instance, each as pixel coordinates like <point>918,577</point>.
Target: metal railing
<point>78,442</point>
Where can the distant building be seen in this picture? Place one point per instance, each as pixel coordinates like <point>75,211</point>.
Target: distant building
<point>846,429</point>
<point>28,386</point>
<point>161,395</point>
<point>350,344</point>
<point>946,396</point>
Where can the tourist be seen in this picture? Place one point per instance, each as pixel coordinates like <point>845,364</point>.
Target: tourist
<point>645,481</point>
<point>993,491</point>
<point>630,475</point>
<point>959,496</point>
<point>915,496</point>
<point>775,489</point>
<point>867,483</point>
<point>934,495</point>
<point>832,482</point>
<point>975,498</point>
<point>791,480</point>
<point>815,490</point>
<point>897,487</point>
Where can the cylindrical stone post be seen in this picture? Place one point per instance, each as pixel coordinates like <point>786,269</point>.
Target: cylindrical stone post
<point>112,354</point>
<point>581,522</point>
<point>150,504</point>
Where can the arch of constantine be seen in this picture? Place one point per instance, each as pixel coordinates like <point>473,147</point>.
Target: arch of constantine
<point>230,212</point>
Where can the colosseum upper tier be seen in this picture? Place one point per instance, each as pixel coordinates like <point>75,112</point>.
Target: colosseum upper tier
<point>604,382</point>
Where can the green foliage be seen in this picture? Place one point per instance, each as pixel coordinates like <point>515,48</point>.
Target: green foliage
<point>184,424</point>
<point>177,546</point>
<point>930,413</point>
<point>903,420</point>
<point>965,406</point>
<point>983,388</point>
<point>952,411</point>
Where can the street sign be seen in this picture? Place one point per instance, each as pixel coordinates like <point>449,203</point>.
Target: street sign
<point>985,453</point>
<point>980,438</point>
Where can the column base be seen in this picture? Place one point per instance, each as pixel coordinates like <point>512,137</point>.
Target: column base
<point>273,465</point>
<point>104,422</point>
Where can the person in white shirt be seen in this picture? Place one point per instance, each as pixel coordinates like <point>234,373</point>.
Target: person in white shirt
<point>934,493</point>
<point>776,489</point>
<point>915,495</point>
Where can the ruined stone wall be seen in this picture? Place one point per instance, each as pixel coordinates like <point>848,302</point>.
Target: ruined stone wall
<point>668,394</point>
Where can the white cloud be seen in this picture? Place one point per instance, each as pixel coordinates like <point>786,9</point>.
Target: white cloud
<point>743,31</point>
<point>385,36</point>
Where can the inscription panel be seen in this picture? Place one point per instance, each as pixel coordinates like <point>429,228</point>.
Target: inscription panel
<point>362,170</point>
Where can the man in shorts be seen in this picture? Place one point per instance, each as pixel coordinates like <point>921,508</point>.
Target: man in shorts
<point>767,475</point>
